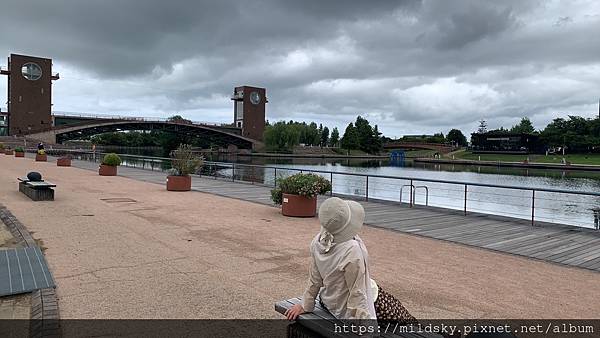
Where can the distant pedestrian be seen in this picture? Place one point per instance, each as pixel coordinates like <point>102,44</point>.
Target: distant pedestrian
<point>40,146</point>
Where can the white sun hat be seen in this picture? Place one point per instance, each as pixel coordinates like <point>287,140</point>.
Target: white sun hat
<point>340,220</point>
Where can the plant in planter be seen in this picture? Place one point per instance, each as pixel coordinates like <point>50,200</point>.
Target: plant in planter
<point>19,152</point>
<point>41,156</point>
<point>184,162</point>
<point>109,165</point>
<point>1,147</point>
<point>297,194</point>
<point>64,161</point>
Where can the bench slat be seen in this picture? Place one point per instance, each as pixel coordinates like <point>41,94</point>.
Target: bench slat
<point>42,184</point>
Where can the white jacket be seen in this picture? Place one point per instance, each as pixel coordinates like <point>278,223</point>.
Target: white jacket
<point>342,277</point>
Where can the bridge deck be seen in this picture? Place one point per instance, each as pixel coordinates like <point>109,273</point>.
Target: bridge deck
<point>562,245</point>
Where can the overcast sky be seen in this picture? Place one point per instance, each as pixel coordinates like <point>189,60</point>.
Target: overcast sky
<point>412,67</point>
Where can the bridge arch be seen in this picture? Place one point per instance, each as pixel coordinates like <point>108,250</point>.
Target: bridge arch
<point>219,136</point>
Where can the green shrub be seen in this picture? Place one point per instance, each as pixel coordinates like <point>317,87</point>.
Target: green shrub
<point>184,161</point>
<point>111,159</point>
<point>41,152</point>
<point>308,185</point>
<point>1,146</point>
<point>19,150</point>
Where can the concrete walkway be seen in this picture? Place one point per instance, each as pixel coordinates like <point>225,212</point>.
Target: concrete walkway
<point>124,248</point>
<point>565,245</point>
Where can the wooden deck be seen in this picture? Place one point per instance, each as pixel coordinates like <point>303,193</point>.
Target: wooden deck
<point>557,244</point>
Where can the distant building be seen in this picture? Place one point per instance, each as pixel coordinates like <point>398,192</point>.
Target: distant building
<point>249,106</point>
<point>29,94</point>
<point>505,142</point>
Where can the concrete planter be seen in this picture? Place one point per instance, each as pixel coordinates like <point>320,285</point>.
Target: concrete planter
<point>298,206</point>
<point>179,183</point>
<point>107,170</point>
<point>41,158</point>
<point>17,154</point>
<point>8,152</point>
<point>63,162</point>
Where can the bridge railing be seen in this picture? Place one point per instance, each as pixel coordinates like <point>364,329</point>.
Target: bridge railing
<point>536,205</point>
<point>100,117</point>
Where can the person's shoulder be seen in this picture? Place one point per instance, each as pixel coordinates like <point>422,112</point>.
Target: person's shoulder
<point>351,249</point>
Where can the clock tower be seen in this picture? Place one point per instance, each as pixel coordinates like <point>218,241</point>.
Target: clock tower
<point>29,94</point>
<point>249,105</point>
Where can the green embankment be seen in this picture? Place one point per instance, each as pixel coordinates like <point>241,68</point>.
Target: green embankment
<point>593,159</point>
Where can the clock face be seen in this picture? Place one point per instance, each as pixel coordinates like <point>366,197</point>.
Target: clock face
<point>255,98</point>
<point>31,71</point>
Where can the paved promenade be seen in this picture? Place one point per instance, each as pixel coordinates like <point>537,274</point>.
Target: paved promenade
<point>124,247</point>
<point>563,245</point>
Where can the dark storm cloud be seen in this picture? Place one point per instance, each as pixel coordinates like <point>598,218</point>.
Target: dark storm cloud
<point>412,66</point>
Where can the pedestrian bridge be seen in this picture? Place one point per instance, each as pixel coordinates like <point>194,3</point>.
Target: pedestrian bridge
<point>223,136</point>
<point>439,147</point>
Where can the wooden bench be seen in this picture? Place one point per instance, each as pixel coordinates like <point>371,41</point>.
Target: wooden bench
<point>320,323</point>
<point>37,190</point>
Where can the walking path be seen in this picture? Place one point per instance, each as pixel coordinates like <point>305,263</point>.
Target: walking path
<point>557,244</point>
<point>124,248</point>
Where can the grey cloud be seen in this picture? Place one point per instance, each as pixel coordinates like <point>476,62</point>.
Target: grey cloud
<point>426,65</point>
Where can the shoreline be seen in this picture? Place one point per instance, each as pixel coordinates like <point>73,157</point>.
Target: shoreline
<point>336,156</point>
<point>535,165</point>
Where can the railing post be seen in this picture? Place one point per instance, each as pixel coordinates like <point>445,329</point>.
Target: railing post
<point>533,207</point>
<point>331,181</point>
<point>233,172</point>
<point>410,200</point>
<point>275,179</point>
<point>465,209</point>
<point>367,190</point>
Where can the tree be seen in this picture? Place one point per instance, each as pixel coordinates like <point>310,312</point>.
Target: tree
<point>365,133</point>
<point>369,139</point>
<point>325,137</point>
<point>377,139</point>
<point>350,140</point>
<point>314,136</point>
<point>482,129</point>
<point>335,138</point>
<point>281,137</point>
<point>456,136</point>
<point>178,119</point>
<point>524,127</point>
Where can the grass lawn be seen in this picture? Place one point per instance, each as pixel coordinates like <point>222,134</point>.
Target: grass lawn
<point>419,153</point>
<point>573,158</point>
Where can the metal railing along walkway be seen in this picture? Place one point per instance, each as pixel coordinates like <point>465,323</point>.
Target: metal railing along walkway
<point>536,204</point>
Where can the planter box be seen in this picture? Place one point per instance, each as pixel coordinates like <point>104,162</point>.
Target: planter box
<point>41,158</point>
<point>107,170</point>
<point>63,162</point>
<point>8,152</point>
<point>298,206</point>
<point>179,183</point>
<point>19,154</point>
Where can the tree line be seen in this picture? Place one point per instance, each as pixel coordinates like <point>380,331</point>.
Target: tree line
<point>283,136</point>
<point>576,133</point>
<point>166,140</point>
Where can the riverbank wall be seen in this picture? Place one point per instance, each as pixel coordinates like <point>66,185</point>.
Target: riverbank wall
<point>524,165</point>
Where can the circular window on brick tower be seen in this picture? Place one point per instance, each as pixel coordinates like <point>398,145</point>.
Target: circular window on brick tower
<point>31,71</point>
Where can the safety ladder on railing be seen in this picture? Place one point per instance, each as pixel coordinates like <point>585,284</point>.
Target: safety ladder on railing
<point>413,190</point>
